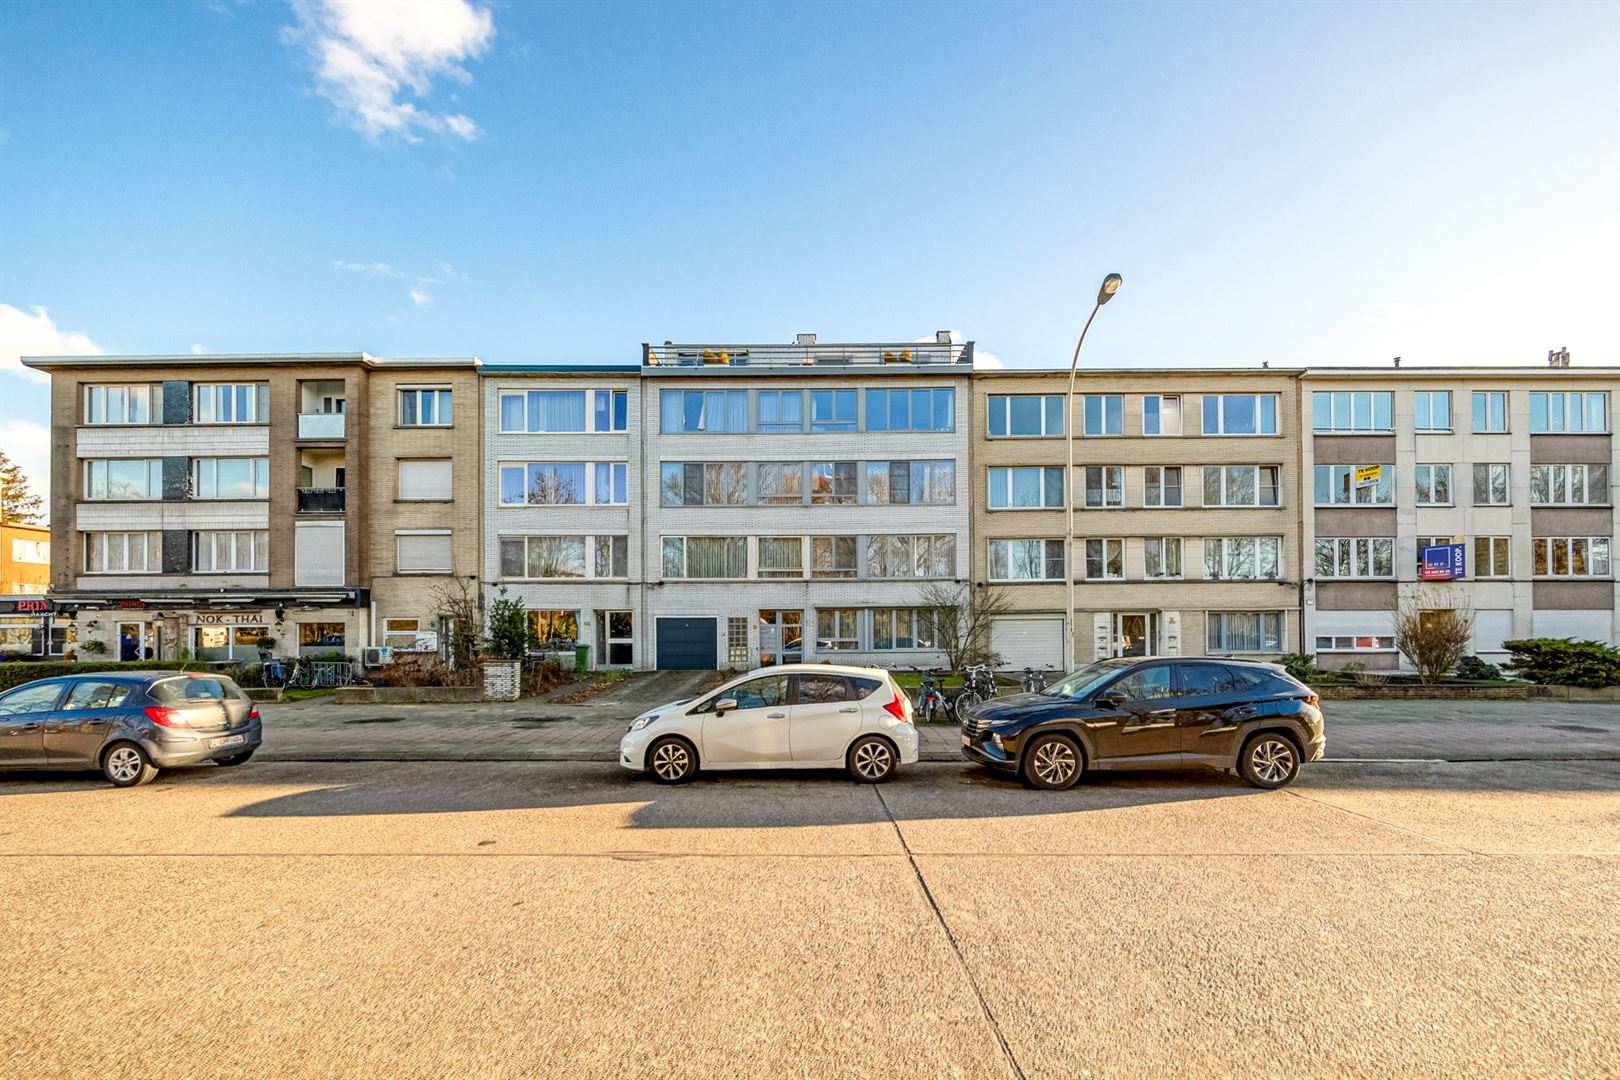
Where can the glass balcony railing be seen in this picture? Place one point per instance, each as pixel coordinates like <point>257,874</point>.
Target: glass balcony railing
<point>320,425</point>
<point>320,500</point>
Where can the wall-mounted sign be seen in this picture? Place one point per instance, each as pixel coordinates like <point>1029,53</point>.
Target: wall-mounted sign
<point>1444,562</point>
<point>1368,474</point>
<point>132,605</point>
<point>250,619</point>
<point>25,607</point>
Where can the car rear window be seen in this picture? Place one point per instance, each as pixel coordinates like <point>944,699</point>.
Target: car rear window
<point>96,695</point>
<point>863,687</point>
<point>193,688</point>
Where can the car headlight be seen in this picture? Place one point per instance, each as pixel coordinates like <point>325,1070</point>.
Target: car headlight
<point>995,738</point>
<point>642,721</point>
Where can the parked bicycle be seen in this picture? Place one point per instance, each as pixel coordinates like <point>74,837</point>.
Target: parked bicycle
<point>1033,680</point>
<point>300,673</point>
<point>932,704</point>
<point>978,684</point>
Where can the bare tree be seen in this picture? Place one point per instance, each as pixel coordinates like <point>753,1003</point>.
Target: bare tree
<point>1434,632</point>
<point>460,609</point>
<point>962,618</point>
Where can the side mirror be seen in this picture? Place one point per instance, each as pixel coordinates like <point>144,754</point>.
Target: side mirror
<point>724,705</point>
<point>1111,699</point>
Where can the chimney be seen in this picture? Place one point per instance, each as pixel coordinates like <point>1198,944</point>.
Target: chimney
<point>1397,361</point>
<point>942,337</point>
<point>805,339</point>
<point>1558,357</point>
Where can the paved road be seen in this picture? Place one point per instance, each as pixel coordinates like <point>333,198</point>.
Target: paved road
<point>317,730</point>
<point>507,919</point>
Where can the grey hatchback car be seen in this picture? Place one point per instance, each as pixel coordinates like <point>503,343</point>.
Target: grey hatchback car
<point>128,725</point>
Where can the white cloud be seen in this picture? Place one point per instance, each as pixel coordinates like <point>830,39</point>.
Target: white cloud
<point>381,269</point>
<point>22,334</point>
<point>199,349</point>
<point>367,53</point>
<point>29,445</point>
<point>421,297</point>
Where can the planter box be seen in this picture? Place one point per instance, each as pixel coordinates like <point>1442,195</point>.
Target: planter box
<point>503,680</point>
<point>406,695</point>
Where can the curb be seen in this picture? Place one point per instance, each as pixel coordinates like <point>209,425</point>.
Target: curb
<point>925,757</point>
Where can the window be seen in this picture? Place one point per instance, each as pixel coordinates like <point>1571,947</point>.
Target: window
<point>1149,684</point>
<point>781,410</point>
<point>1354,412</point>
<point>1578,412</point>
<point>1491,556</point>
<point>319,637</point>
<point>544,483</point>
<point>781,483</point>
<point>553,631</point>
<point>832,557</point>
<point>911,410</point>
<point>422,551</point>
<point>1026,488</point>
<point>1105,559</point>
<point>1105,485</point>
<point>1356,643</point>
<point>763,693</point>
<point>131,404</point>
<point>424,407</point>
<point>1236,558</point>
<point>781,556</point>
<point>1569,485</point>
<point>611,410</point>
<point>31,551</point>
<point>1026,560</point>
<point>545,556</point>
<point>1358,557</point>
<point>1578,556</point>
<point>1245,631</point>
<point>1162,556</point>
<point>1240,485</point>
<point>832,410</point>
<point>703,410</point>
<point>612,556</point>
<point>737,642</point>
<point>1433,485</point>
<point>903,628</point>
<point>1428,542</point>
<point>425,480</point>
<point>1490,410</point>
<point>1491,485</point>
<point>835,629</point>
<point>705,557</point>
<point>1337,485</point>
<point>40,697</point>
<point>234,552</point>
<point>916,482</point>
<point>123,552</point>
<point>402,634</point>
<point>1161,485</point>
<point>1104,414</point>
<point>123,479</point>
<point>1240,414</point>
<point>230,403</point>
<point>1025,414</point>
<point>832,483</point>
<point>222,643</point>
<point>703,483</point>
<point>1161,415</point>
<point>1431,410</point>
<point>911,556</point>
<point>230,478</point>
<point>89,694</point>
<point>612,484</point>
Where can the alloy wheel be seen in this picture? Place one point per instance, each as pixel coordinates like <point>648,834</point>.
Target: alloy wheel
<point>1272,760</point>
<point>1054,762</point>
<point>124,764</point>
<point>873,760</point>
<point>671,761</point>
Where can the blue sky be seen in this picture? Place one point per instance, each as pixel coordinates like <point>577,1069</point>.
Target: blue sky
<point>1294,183</point>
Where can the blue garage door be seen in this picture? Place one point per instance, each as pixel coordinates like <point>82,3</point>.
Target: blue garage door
<point>687,644</point>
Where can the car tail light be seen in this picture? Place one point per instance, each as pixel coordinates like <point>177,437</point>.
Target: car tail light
<point>1313,701</point>
<point>896,707</point>
<point>253,712</point>
<point>163,716</point>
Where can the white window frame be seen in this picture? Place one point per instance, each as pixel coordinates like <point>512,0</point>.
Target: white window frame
<point>1104,401</point>
<point>1418,481</point>
<point>1491,397</point>
<point>154,480</point>
<point>1489,545</point>
<point>1225,471</point>
<point>1220,646</point>
<point>1112,493</point>
<point>1044,471</point>
<point>589,426</point>
<point>1429,397</point>
<point>1161,412</point>
<point>1348,400</point>
<point>1110,552</point>
<point>920,547</point>
<point>1259,431</point>
<point>443,407</point>
<point>1567,474</point>
<point>1333,488</point>
<point>1046,549</point>
<point>98,396</point>
<point>663,541</point>
<point>1147,487</point>
<point>208,469</point>
<point>1485,489</point>
<point>1337,643</point>
<point>1003,404</point>
<point>846,629</point>
<point>450,553</point>
<point>1360,552</point>
<point>590,493</point>
<point>257,553</point>
<point>99,543</point>
<point>1165,544</point>
<point>1564,400</point>
<point>213,399</point>
<point>1228,544</point>
<point>916,617</point>
<point>1543,550</point>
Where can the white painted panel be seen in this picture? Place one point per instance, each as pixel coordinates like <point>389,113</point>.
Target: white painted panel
<point>1492,627</point>
<point>318,553</point>
<point>1028,641</point>
<point>1102,636</point>
<point>1581,625</point>
<point>1170,633</point>
<point>179,440</point>
<point>1354,623</point>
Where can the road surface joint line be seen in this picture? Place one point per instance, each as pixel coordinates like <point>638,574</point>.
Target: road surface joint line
<point>1386,824</point>
<point>950,938</point>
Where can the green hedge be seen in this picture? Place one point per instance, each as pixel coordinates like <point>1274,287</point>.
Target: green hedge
<point>1564,662</point>
<point>15,674</point>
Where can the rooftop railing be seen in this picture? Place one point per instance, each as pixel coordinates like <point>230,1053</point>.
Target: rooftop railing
<point>899,355</point>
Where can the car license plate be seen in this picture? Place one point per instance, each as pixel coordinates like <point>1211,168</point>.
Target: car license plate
<point>229,740</point>
<point>966,741</point>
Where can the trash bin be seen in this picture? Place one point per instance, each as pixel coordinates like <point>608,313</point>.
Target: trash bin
<point>582,659</point>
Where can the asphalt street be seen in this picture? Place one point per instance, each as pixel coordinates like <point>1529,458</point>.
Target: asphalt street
<point>567,919</point>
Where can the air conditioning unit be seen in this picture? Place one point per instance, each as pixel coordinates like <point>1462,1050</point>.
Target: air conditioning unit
<point>376,657</point>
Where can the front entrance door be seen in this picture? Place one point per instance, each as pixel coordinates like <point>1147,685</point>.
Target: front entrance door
<point>137,641</point>
<point>1135,634</point>
<point>781,636</point>
<point>615,639</point>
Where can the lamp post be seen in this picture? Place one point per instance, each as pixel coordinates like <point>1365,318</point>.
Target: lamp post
<point>1110,286</point>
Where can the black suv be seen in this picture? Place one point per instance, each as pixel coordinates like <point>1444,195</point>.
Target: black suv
<point>1152,713</point>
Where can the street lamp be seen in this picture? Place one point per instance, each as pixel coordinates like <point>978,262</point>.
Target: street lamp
<point>1110,286</point>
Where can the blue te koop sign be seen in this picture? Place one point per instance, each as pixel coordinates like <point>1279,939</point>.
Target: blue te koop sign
<point>1445,562</point>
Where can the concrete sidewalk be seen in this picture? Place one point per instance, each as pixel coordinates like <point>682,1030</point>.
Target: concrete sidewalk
<point>318,730</point>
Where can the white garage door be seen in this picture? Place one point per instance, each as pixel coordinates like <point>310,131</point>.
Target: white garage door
<point>1028,641</point>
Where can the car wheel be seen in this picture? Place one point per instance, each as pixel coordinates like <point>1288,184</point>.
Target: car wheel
<point>1269,760</point>
<point>871,760</point>
<point>126,765</point>
<point>1052,762</point>
<point>234,759</point>
<point>672,761</point>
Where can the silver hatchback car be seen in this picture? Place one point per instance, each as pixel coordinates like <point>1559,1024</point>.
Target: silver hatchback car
<point>128,725</point>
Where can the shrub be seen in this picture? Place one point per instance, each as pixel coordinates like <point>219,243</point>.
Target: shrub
<point>508,627</point>
<point>1472,667</point>
<point>1301,666</point>
<point>15,674</point>
<point>1434,633</point>
<point>1564,662</point>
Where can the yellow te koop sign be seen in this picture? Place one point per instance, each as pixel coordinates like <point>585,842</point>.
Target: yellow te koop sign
<point>1368,474</point>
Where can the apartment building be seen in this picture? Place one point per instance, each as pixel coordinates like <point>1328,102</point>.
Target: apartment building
<point>1506,475</point>
<point>796,501</point>
<point>561,486</point>
<point>26,627</point>
<point>202,504</point>
<point>25,559</point>
<point>1186,491</point>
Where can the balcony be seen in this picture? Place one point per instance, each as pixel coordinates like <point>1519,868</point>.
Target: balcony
<point>898,356</point>
<point>320,425</point>
<point>320,500</point>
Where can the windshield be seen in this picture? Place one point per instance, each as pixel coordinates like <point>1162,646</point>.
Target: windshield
<point>1083,683</point>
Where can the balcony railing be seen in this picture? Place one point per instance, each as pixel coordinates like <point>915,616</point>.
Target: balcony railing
<point>320,425</point>
<point>320,500</point>
<point>897,356</point>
